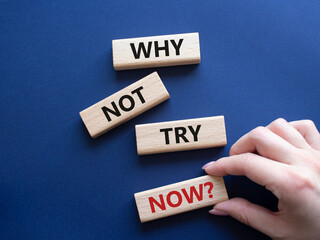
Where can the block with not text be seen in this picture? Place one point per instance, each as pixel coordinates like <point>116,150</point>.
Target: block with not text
<point>181,135</point>
<point>156,51</point>
<point>180,197</point>
<point>124,105</point>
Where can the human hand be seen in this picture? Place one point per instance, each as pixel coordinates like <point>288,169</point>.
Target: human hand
<point>285,158</point>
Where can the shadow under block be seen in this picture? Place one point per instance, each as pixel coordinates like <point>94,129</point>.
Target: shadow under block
<point>124,105</point>
<point>157,51</point>
<point>180,197</point>
<point>181,135</point>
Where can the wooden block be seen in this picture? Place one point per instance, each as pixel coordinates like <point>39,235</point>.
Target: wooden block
<point>181,135</point>
<point>180,197</point>
<point>157,51</point>
<point>124,105</point>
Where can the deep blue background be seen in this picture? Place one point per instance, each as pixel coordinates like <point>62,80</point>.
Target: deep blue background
<point>260,60</point>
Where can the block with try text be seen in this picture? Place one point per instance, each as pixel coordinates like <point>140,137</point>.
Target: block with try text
<point>124,105</point>
<point>181,135</point>
<point>157,51</point>
<point>180,197</point>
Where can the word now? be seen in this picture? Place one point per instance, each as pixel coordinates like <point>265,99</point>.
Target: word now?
<point>180,197</point>
<point>188,196</point>
<point>115,111</point>
<point>147,51</point>
<point>180,132</point>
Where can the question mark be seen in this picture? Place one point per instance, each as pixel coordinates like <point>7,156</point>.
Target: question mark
<point>210,184</point>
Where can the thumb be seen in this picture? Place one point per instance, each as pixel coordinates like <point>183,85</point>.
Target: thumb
<point>248,213</point>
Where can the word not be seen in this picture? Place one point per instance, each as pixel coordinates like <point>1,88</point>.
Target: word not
<point>181,135</point>
<point>115,111</point>
<point>180,197</point>
<point>187,195</point>
<point>180,132</point>
<point>124,105</point>
<point>157,51</point>
<point>147,52</point>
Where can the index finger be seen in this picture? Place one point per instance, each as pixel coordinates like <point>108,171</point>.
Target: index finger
<point>257,168</point>
<point>267,144</point>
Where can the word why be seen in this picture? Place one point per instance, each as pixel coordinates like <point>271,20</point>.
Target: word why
<point>147,51</point>
<point>115,111</point>
<point>188,196</point>
<point>180,132</point>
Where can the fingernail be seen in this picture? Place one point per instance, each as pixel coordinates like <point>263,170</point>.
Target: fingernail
<point>218,212</point>
<point>208,164</point>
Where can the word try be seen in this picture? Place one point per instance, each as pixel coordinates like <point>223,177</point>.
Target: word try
<point>181,135</point>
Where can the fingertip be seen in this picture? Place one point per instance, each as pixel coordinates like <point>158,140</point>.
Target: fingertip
<point>218,212</point>
<point>210,168</point>
<point>217,168</point>
<point>208,171</point>
<point>207,165</point>
<point>223,206</point>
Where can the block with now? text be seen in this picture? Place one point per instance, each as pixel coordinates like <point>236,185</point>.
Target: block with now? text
<point>156,51</point>
<point>180,197</point>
